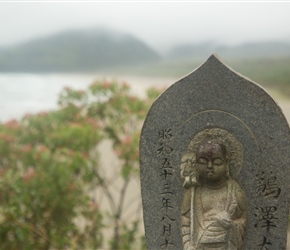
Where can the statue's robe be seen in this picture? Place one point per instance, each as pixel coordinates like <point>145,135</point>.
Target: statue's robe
<point>203,232</point>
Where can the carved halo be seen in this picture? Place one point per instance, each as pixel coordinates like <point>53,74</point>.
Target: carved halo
<point>233,146</point>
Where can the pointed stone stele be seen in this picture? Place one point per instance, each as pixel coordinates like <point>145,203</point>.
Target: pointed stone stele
<point>215,157</point>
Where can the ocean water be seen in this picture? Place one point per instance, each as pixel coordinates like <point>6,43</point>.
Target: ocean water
<point>22,94</point>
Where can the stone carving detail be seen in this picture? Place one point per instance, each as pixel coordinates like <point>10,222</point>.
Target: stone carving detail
<point>266,217</point>
<point>166,174</point>
<point>267,185</point>
<point>214,204</point>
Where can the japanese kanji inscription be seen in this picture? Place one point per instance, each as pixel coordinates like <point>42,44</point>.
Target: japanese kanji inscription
<point>214,163</point>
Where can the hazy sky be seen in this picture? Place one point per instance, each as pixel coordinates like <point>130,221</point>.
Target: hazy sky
<point>160,24</point>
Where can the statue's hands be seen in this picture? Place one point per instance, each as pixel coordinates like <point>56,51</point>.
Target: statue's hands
<point>222,217</point>
<point>189,246</point>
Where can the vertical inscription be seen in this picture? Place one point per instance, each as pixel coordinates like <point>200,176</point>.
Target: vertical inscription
<point>164,140</point>
<point>164,152</point>
<point>266,217</point>
<point>265,244</point>
<point>267,187</point>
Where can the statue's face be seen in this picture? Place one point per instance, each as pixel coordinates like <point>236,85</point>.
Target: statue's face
<point>211,159</point>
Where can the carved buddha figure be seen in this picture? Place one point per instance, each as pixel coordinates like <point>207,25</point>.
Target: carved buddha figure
<point>213,209</point>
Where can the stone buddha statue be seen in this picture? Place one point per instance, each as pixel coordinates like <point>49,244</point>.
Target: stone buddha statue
<point>214,205</point>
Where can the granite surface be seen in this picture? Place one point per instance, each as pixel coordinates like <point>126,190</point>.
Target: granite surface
<point>216,97</point>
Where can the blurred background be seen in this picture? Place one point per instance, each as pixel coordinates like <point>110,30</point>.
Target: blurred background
<point>76,81</point>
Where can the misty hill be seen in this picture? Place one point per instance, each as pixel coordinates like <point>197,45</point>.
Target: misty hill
<point>78,50</point>
<point>247,50</point>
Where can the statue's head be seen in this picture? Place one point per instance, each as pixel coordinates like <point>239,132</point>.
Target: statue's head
<point>212,162</point>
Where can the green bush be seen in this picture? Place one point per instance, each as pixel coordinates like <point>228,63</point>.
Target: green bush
<point>49,169</point>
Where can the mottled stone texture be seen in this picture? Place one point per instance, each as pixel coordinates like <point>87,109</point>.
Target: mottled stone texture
<point>215,96</point>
